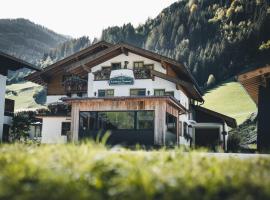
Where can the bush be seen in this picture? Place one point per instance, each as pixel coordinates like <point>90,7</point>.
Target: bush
<point>234,141</point>
<point>90,171</point>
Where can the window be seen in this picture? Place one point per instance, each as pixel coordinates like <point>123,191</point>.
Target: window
<point>185,127</point>
<point>106,93</point>
<point>159,92</point>
<point>145,120</point>
<point>137,92</point>
<point>180,129</point>
<point>116,66</point>
<point>171,123</point>
<point>116,120</point>
<point>138,64</point>
<point>65,128</point>
<point>169,93</point>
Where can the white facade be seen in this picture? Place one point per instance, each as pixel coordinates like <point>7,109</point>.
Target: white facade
<point>2,102</point>
<point>124,90</point>
<point>51,130</point>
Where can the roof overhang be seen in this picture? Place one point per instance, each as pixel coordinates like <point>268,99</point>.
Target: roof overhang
<point>8,62</point>
<point>43,77</point>
<point>253,79</point>
<point>231,122</point>
<point>169,99</point>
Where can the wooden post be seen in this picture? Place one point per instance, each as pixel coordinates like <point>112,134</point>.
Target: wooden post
<point>263,137</point>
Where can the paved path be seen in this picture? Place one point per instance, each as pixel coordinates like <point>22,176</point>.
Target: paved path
<point>237,155</point>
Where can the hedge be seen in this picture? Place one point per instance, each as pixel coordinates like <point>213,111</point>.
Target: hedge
<point>91,171</point>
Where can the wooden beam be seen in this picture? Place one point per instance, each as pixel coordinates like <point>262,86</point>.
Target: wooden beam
<point>124,51</point>
<point>164,64</point>
<point>254,73</point>
<point>85,68</point>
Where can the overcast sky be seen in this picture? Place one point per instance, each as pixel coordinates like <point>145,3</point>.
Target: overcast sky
<point>82,17</point>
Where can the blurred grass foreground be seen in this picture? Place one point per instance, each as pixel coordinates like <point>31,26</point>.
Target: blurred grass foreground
<point>92,171</point>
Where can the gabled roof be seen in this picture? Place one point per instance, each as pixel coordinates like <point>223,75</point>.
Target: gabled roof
<point>9,62</point>
<point>61,64</point>
<point>251,80</point>
<point>231,122</point>
<point>181,70</point>
<point>79,65</point>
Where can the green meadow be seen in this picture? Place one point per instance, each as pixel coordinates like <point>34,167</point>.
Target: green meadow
<point>230,99</point>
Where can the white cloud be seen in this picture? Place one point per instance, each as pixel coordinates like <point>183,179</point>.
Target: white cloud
<point>82,17</point>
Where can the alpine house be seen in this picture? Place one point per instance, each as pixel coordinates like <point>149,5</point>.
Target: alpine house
<point>134,95</point>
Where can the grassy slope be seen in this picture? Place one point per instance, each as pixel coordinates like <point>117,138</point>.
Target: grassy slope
<point>230,99</point>
<point>24,100</point>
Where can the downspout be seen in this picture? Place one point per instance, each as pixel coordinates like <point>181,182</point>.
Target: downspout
<point>224,133</point>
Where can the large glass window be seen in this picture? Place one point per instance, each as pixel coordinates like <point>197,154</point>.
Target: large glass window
<point>137,92</point>
<point>171,123</point>
<point>145,120</point>
<point>117,120</point>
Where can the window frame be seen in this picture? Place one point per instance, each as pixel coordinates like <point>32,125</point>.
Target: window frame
<point>64,132</point>
<point>134,89</point>
<point>106,92</point>
<point>158,90</point>
<point>116,63</point>
<point>138,62</point>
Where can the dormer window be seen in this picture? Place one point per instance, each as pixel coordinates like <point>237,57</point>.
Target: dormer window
<point>116,66</point>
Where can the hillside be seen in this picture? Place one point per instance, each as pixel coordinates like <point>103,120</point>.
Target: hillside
<point>210,36</point>
<point>27,40</point>
<point>230,99</point>
<point>27,96</point>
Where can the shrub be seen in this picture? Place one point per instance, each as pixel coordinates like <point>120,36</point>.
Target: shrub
<point>234,141</point>
<point>90,171</point>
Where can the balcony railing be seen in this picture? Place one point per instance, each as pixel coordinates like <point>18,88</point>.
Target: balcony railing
<point>142,73</point>
<point>75,84</point>
<point>103,74</point>
<point>139,73</point>
<point>9,107</point>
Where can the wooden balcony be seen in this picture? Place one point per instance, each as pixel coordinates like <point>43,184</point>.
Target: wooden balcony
<point>103,74</point>
<point>142,73</point>
<point>75,84</point>
<point>9,107</point>
<point>139,73</point>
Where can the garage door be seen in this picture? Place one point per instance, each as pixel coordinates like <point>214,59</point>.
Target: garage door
<point>208,138</point>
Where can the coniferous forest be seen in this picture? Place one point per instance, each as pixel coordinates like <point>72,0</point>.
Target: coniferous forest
<point>216,39</point>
